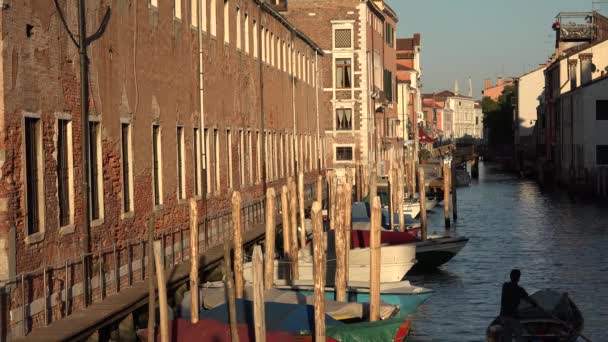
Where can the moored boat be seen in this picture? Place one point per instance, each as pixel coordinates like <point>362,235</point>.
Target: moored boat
<point>403,294</point>
<point>396,261</point>
<point>430,253</point>
<point>558,319</point>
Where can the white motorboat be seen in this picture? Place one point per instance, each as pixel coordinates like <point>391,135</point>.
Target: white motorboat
<point>396,261</point>
<point>412,206</point>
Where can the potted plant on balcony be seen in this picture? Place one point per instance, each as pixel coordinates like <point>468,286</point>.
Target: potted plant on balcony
<point>424,155</point>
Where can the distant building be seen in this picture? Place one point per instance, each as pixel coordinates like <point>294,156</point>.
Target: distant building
<point>529,90</point>
<point>573,120</point>
<point>409,84</point>
<point>494,91</point>
<point>359,39</point>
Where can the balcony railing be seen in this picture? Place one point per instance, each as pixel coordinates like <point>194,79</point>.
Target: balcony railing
<point>578,26</point>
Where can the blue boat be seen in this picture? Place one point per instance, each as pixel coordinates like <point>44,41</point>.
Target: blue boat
<point>402,294</point>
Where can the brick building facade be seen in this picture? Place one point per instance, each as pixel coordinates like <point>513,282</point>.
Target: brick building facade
<point>358,38</point>
<point>150,145</point>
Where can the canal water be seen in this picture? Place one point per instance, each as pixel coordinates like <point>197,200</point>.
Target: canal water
<point>557,241</point>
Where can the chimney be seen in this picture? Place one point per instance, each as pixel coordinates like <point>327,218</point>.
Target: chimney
<point>487,83</point>
<point>499,81</point>
<point>456,88</point>
<point>470,88</point>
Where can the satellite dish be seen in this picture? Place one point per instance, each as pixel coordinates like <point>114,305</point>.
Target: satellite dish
<point>593,68</point>
<point>606,68</point>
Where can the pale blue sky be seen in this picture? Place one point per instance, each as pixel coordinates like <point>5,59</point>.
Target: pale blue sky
<point>482,38</point>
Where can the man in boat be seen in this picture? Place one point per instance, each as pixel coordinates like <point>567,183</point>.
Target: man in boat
<point>511,296</point>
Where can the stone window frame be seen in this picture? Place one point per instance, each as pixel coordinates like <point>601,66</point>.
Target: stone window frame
<point>198,162</point>
<point>226,20</point>
<point>342,25</point>
<point>239,29</point>
<point>70,227</point>
<point>229,143</point>
<point>39,235</point>
<point>178,10</point>
<point>99,221</point>
<point>344,105</point>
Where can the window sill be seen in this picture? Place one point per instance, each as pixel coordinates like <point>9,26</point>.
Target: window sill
<point>181,201</point>
<point>34,238</point>
<point>97,223</point>
<point>128,215</point>
<point>198,197</point>
<point>67,230</point>
<point>158,207</point>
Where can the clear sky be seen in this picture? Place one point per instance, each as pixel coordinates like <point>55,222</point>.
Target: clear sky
<point>482,38</point>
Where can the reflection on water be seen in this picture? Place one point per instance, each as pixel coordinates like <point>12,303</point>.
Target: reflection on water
<point>559,242</point>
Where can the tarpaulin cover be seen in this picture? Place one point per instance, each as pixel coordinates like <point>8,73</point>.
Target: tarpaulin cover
<point>395,329</point>
<point>360,238</point>
<point>289,318</point>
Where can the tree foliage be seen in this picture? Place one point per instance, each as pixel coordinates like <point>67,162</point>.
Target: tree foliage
<point>498,118</point>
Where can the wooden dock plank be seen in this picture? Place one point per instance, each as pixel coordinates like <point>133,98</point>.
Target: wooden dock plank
<point>84,322</point>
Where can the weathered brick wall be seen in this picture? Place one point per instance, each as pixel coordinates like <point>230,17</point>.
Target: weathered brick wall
<point>144,68</point>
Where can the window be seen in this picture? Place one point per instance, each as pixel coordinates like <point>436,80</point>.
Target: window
<point>154,3</point>
<point>267,44</point>
<point>271,49</point>
<point>601,110</point>
<point>601,155</point>
<point>96,176</point>
<point>213,18</point>
<point>344,153</point>
<point>203,13</point>
<point>65,177</point>
<point>238,28</point>
<point>157,167</point>
<point>255,39</point>
<point>194,13</point>
<point>127,172</point>
<point>198,176</point>
<point>389,34</point>
<point>229,150</point>
<point>388,85</point>
<point>181,170</point>
<point>177,10</point>
<point>263,38</point>
<point>227,21</point>
<point>343,73</point>
<point>586,68</point>
<point>208,161</point>
<point>284,57</point>
<point>34,175</point>
<point>278,53</point>
<point>258,151</point>
<point>246,33</point>
<point>343,39</point>
<point>242,157</point>
<point>250,157</point>
<point>344,119</point>
<point>572,72</point>
<point>216,159</point>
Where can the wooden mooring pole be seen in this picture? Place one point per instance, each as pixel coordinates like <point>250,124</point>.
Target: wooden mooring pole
<point>348,222</point>
<point>422,201</point>
<point>391,199</point>
<point>162,292</point>
<point>453,180</point>
<point>375,257</point>
<point>293,238</point>
<point>194,300</point>
<point>237,237</point>
<point>270,239</point>
<point>301,207</point>
<point>320,190</point>
<point>285,224</point>
<point>318,243</point>
<point>259,318</point>
<point>340,244</point>
<point>400,197</point>
<point>229,281</point>
<point>446,193</point>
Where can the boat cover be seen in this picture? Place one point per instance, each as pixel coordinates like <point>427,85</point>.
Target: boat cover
<point>394,329</point>
<point>214,296</point>
<point>554,303</point>
<point>360,238</point>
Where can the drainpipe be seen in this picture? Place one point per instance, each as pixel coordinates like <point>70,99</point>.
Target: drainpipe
<point>261,64</point>
<point>293,106</point>
<point>201,107</point>
<point>317,109</point>
<point>84,116</point>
